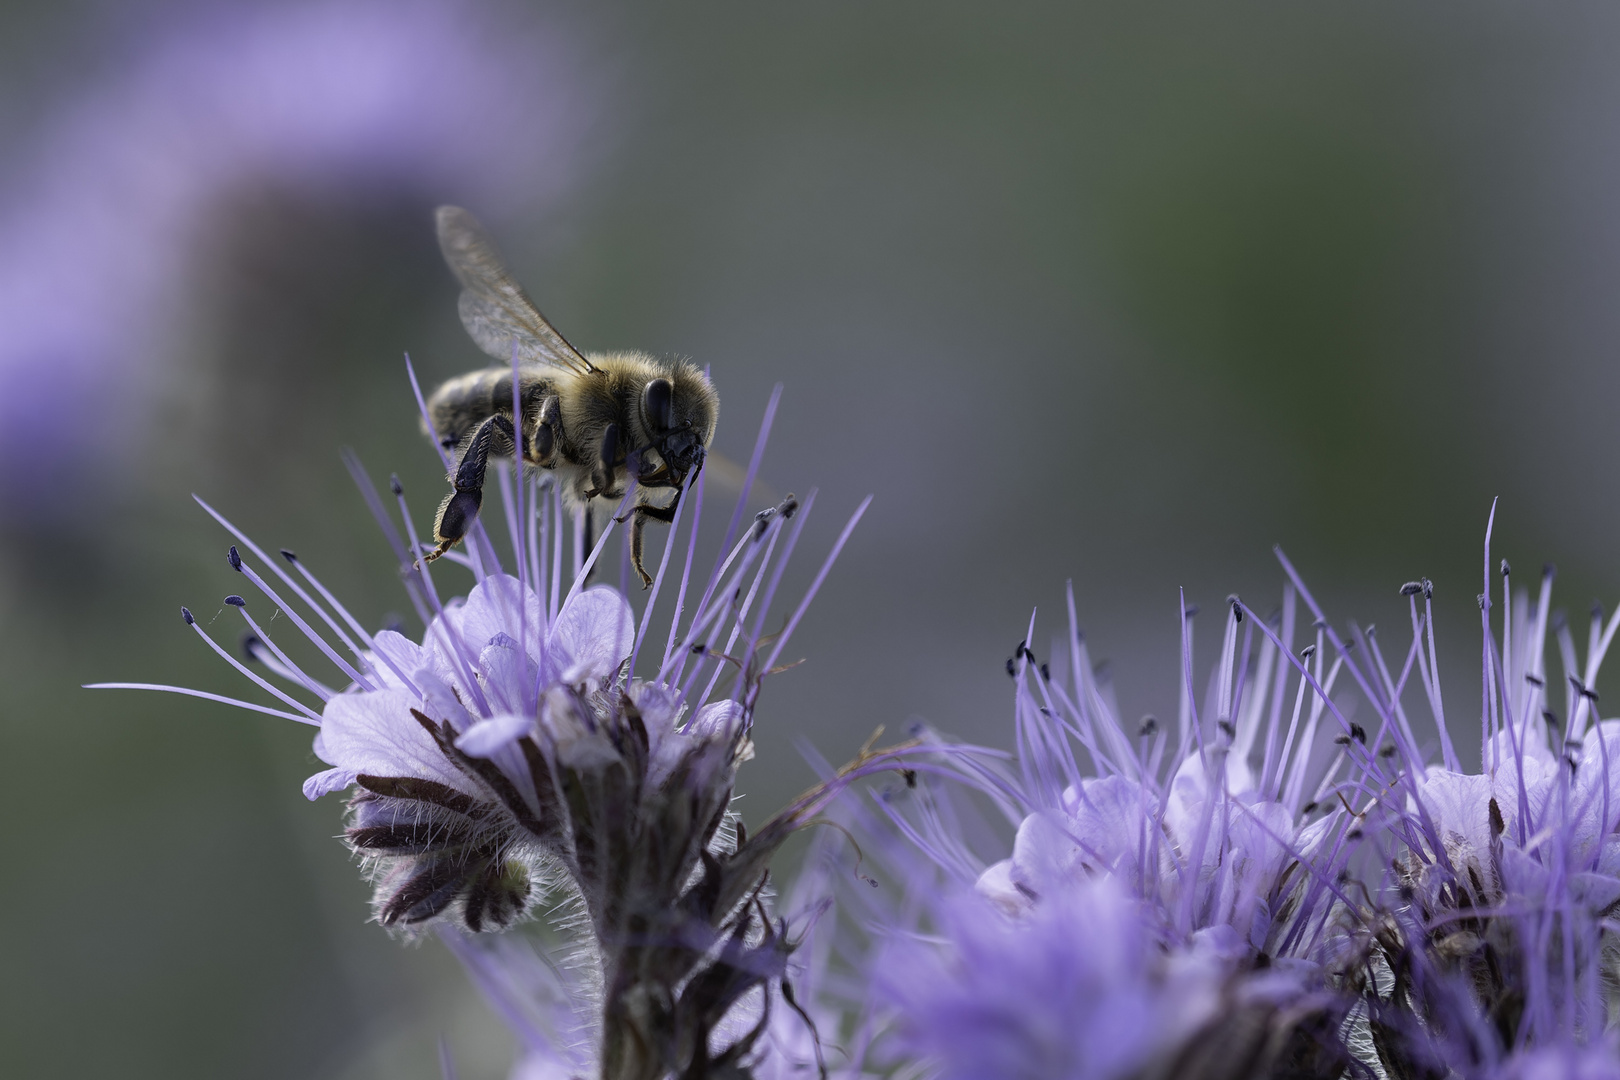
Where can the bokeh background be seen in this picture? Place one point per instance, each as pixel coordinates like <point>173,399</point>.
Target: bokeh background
<point>1122,293</point>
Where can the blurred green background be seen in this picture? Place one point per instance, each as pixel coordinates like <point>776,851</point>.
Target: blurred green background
<point>1119,292</point>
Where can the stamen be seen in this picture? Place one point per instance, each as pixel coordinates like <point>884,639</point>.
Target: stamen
<point>314,717</point>
<point>297,620</point>
<point>815,585</point>
<point>235,559</point>
<point>205,695</point>
<point>368,492</point>
<point>321,691</point>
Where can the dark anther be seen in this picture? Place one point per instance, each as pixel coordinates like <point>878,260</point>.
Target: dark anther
<point>235,601</point>
<point>1319,624</point>
<point>1582,689</point>
<point>1018,653</point>
<point>1482,600</point>
<point>1308,808</point>
<point>1046,672</point>
<point>1046,712</point>
<point>394,484</point>
<point>1372,630</point>
<point>1498,826</point>
<point>1192,609</point>
<point>1012,667</point>
<point>1358,733</point>
<point>185,613</point>
<point>234,558</point>
<point>250,646</point>
<point>762,521</point>
<point>1506,569</point>
<point>1227,728</point>
<point>1387,750</point>
<point>910,777</point>
<point>788,507</point>
<point>1353,834</point>
<point>1341,740</point>
<point>1573,744</point>
<point>1307,652</point>
<point>1549,571</point>
<point>289,556</point>
<point>1428,589</point>
<point>1237,607</point>
<point>1550,718</point>
<point>697,648</point>
<point>1150,726</point>
<point>1411,588</point>
<point>1533,680</point>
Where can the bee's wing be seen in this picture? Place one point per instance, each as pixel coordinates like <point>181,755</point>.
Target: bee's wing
<point>730,476</point>
<point>494,308</point>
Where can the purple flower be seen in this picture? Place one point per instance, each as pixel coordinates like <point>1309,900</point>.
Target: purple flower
<point>1082,985</point>
<point>104,211</point>
<point>513,755</point>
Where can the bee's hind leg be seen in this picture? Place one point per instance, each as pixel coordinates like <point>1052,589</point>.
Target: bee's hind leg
<point>460,508</point>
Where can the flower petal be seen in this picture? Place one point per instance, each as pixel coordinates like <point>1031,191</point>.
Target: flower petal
<point>324,783</point>
<point>375,733</point>
<point>487,736</point>
<point>592,636</point>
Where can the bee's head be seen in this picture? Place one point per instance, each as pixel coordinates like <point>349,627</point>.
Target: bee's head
<point>679,412</point>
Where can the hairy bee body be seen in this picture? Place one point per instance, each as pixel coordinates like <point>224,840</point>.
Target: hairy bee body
<point>588,405</point>
<point>596,422</point>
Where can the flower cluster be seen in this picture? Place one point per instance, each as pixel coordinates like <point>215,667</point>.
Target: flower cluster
<point>1264,886</point>
<point>512,755</point>
<point>1270,888</point>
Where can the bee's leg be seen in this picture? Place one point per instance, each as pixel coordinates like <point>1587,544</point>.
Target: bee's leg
<point>639,518</point>
<point>542,448</point>
<point>460,508</point>
<point>602,471</point>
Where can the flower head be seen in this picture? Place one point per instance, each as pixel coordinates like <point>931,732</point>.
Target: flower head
<point>513,753</point>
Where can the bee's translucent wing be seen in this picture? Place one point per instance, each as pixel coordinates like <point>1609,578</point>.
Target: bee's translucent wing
<point>494,308</point>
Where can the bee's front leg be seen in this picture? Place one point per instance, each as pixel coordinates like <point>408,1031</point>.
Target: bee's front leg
<point>460,508</point>
<point>640,515</point>
<point>546,433</point>
<point>602,472</point>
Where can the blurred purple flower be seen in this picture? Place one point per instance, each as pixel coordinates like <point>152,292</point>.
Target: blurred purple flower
<point>101,216</point>
<point>1175,910</point>
<point>1082,986</point>
<point>1498,913</point>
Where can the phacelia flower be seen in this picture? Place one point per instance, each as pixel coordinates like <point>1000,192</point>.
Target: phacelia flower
<point>512,755</point>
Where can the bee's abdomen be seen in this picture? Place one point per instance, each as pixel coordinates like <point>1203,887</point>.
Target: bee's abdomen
<point>464,402</point>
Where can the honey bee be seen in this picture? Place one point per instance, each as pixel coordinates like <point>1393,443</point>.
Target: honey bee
<point>597,422</point>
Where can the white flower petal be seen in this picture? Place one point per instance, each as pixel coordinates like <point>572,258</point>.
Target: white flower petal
<point>374,733</point>
<point>488,736</point>
<point>324,783</point>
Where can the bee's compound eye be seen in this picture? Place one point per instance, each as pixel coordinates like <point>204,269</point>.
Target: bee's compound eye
<point>657,404</point>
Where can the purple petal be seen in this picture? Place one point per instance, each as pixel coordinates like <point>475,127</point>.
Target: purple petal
<point>324,783</point>
<point>592,636</point>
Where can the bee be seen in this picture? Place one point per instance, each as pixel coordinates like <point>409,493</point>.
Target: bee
<point>596,422</point>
